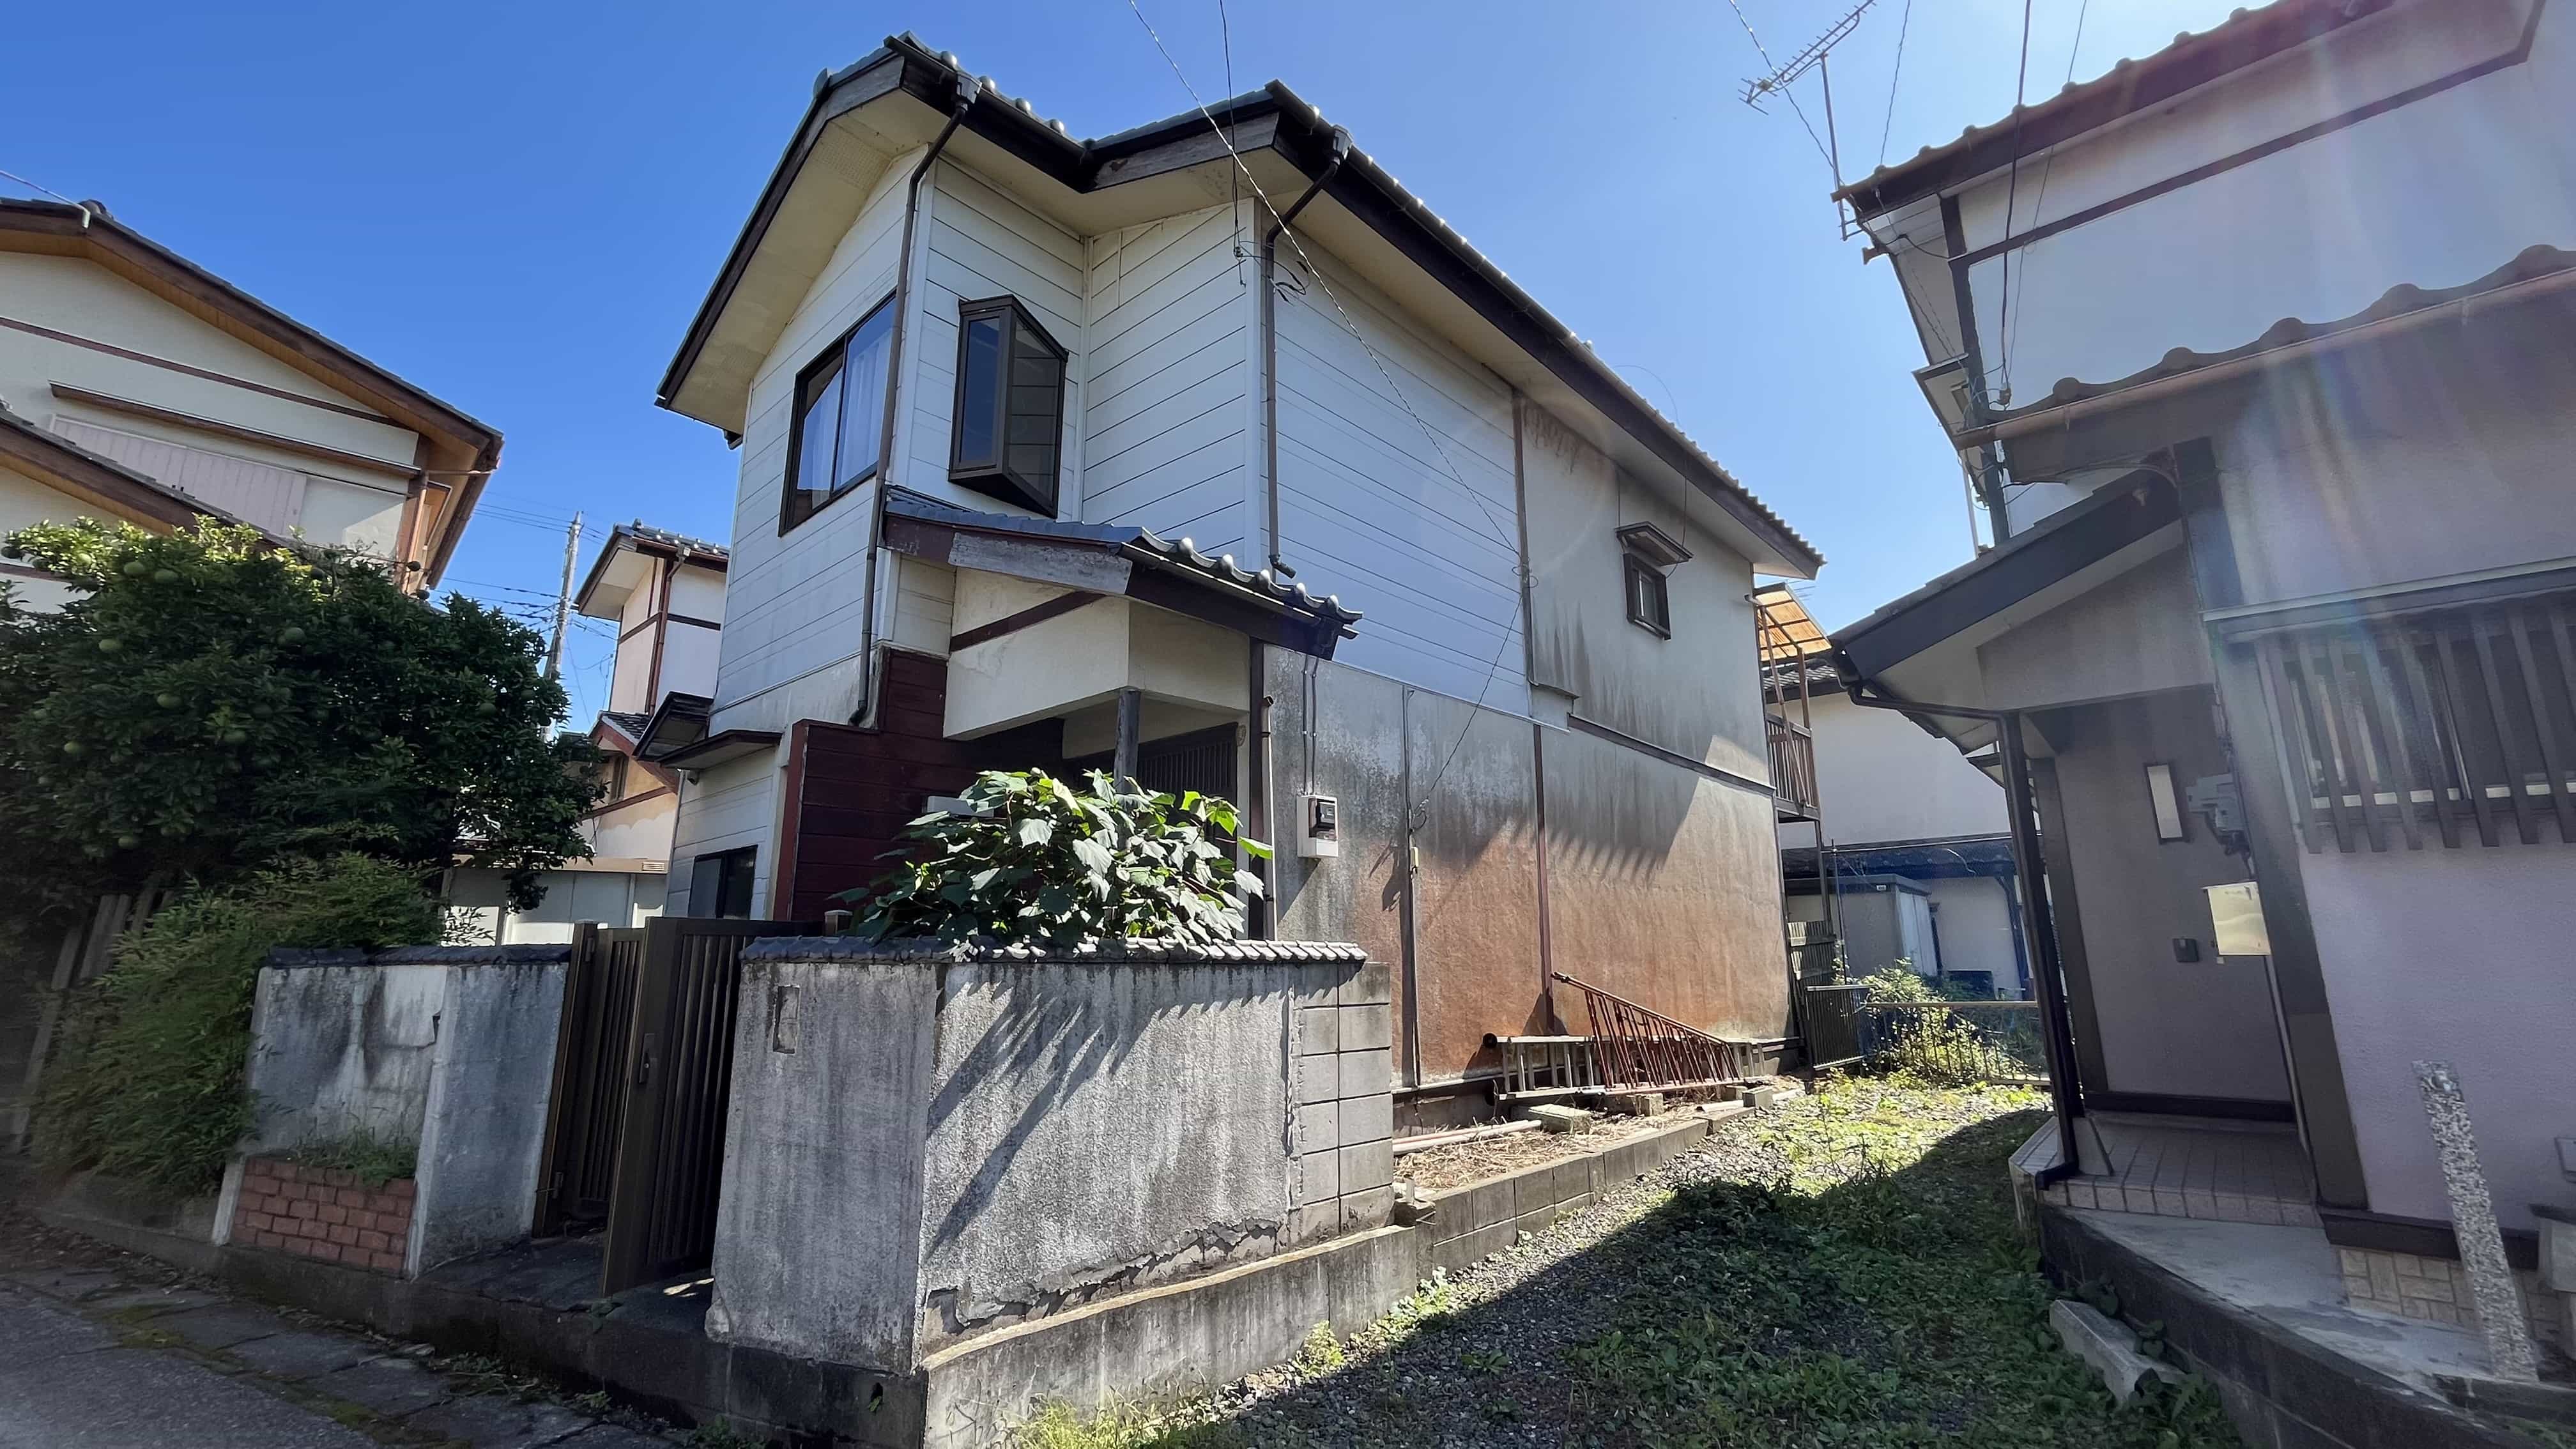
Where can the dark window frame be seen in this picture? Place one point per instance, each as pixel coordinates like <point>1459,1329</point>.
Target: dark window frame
<point>829,367</point>
<point>1656,589</point>
<point>997,478</point>
<point>730,873</point>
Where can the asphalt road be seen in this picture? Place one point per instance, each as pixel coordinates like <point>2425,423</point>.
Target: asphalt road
<point>69,1380</point>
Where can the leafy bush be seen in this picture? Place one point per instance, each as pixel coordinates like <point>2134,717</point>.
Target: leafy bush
<point>1041,861</point>
<point>1921,1040</point>
<point>146,1083</point>
<point>213,704</point>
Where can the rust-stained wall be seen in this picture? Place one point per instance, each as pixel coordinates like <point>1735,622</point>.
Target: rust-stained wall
<point>1475,898</point>
<point>1695,694</point>
<point>1665,883</point>
<point>1664,887</point>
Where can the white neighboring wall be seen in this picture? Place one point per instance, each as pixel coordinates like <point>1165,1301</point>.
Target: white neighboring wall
<point>1881,778</point>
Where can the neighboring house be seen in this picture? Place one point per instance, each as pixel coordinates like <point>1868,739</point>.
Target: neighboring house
<point>665,593</point>
<point>2266,384</point>
<point>1043,464</point>
<point>135,385</point>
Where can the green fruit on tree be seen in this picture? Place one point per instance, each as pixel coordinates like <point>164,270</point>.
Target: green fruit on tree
<point>166,700</point>
<point>486,707</point>
<point>165,576</point>
<point>73,747</point>
<point>128,842</point>
<point>135,568</point>
<point>110,645</point>
<point>291,634</point>
<point>234,737</point>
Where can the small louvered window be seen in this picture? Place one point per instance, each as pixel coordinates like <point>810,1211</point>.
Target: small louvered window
<point>2453,725</point>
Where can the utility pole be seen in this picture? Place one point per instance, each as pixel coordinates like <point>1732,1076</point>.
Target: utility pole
<point>563,599</point>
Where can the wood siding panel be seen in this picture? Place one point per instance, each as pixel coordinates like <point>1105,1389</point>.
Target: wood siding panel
<point>1164,441</point>
<point>859,787</point>
<point>1422,537</point>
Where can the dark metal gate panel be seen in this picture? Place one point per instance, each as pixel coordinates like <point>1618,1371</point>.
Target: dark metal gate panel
<point>589,1100</point>
<point>1833,1024</point>
<point>679,1080</point>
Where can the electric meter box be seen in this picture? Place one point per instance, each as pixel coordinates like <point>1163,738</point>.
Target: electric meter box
<point>1322,838</point>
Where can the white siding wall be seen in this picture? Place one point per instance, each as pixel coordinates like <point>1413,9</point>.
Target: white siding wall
<point>1881,779</point>
<point>793,604</point>
<point>978,244</point>
<point>360,515</point>
<point>1419,536</point>
<point>1165,426</point>
<point>727,807</point>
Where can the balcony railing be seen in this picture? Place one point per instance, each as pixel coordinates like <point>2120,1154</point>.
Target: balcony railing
<point>1793,768</point>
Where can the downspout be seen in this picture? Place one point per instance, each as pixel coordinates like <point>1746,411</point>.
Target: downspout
<point>2058,1030</point>
<point>968,88</point>
<point>1270,342</point>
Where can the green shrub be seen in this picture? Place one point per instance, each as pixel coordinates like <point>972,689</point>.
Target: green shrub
<point>1041,861</point>
<point>146,1083</point>
<point>1921,1041</point>
<point>376,1160</point>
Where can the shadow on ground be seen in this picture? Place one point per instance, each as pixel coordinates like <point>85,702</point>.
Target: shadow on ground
<point>1843,1271</point>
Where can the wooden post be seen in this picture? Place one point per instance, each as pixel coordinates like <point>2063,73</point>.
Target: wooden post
<point>1131,708</point>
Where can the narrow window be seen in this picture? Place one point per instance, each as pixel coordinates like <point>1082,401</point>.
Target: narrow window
<point>720,884</point>
<point>1649,603</point>
<point>1010,405</point>
<point>840,416</point>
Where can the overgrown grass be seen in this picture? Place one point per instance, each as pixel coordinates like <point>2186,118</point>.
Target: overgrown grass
<point>376,1160</point>
<point>1854,1280</point>
<point>146,1083</point>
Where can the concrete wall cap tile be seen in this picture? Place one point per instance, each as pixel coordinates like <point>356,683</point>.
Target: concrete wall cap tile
<point>852,950</point>
<point>286,959</point>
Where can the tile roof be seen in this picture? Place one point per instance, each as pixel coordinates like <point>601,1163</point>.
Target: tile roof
<point>627,722</point>
<point>2131,84</point>
<point>650,534</point>
<point>2531,264</point>
<point>1182,556</point>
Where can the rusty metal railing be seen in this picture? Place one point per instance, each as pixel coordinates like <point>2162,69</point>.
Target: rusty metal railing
<point>1642,1050</point>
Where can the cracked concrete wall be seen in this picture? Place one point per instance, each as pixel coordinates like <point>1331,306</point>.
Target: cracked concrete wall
<point>921,1150</point>
<point>342,1048</point>
<point>483,1129</point>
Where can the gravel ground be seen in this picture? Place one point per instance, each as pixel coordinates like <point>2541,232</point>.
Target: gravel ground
<point>1495,1357</point>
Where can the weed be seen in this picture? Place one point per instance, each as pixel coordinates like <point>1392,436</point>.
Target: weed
<point>1321,1353</point>
<point>376,1159</point>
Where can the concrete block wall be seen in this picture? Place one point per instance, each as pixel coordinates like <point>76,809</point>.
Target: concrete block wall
<point>1486,1217</point>
<point>931,1146</point>
<point>1342,1041</point>
<point>448,1049</point>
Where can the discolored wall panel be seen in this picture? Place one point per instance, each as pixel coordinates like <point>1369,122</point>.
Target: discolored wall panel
<point>1476,956</point>
<point>1354,752</point>
<point>1664,887</point>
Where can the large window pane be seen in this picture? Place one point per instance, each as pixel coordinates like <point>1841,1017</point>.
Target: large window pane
<point>863,397</point>
<point>817,429</point>
<point>979,363</point>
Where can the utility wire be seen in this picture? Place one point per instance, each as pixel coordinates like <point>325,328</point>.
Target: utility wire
<point>2012,190</point>
<point>1513,624</point>
<point>1905,24</point>
<point>2039,201</point>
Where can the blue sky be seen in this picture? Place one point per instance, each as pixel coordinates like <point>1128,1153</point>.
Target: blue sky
<point>519,206</point>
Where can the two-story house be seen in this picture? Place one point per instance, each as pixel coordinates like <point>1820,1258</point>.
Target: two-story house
<point>2257,350</point>
<point>136,385</point>
<point>1208,448</point>
<point>664,593</point>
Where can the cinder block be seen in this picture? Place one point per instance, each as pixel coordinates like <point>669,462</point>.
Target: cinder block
<point>1365,1074</point>
<point>1552,1117</point>
<point>1636,1104</point>
<point>1372,985</point>
<point>1322,1171</point>
<point>1319,1127</point>
<point>1485,1205</point>
<point>1368,1165</point>
<point>1760,1097</point>
<point>1315,1220</point>
<point>1369,1209</point>
<point>1319,1078</point>
<point>2558,1255</point>
<point>1366,1119</point>
<point>1319,1030</point>
<point>1364,1027</point>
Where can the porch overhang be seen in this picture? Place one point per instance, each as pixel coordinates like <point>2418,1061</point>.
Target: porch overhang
<point>1119,562</point>
<point>1924,645</point>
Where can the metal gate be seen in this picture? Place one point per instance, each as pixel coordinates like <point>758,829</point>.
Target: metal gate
<point>1832,1016</point>
<point>589,1100</point>
<point>679,1079</point>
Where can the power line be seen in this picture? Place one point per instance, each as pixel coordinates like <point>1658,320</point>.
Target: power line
<point>2012,189</point>
<point>1511,624</point>
<point>1904,24</point>
<point>2039,201</point>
